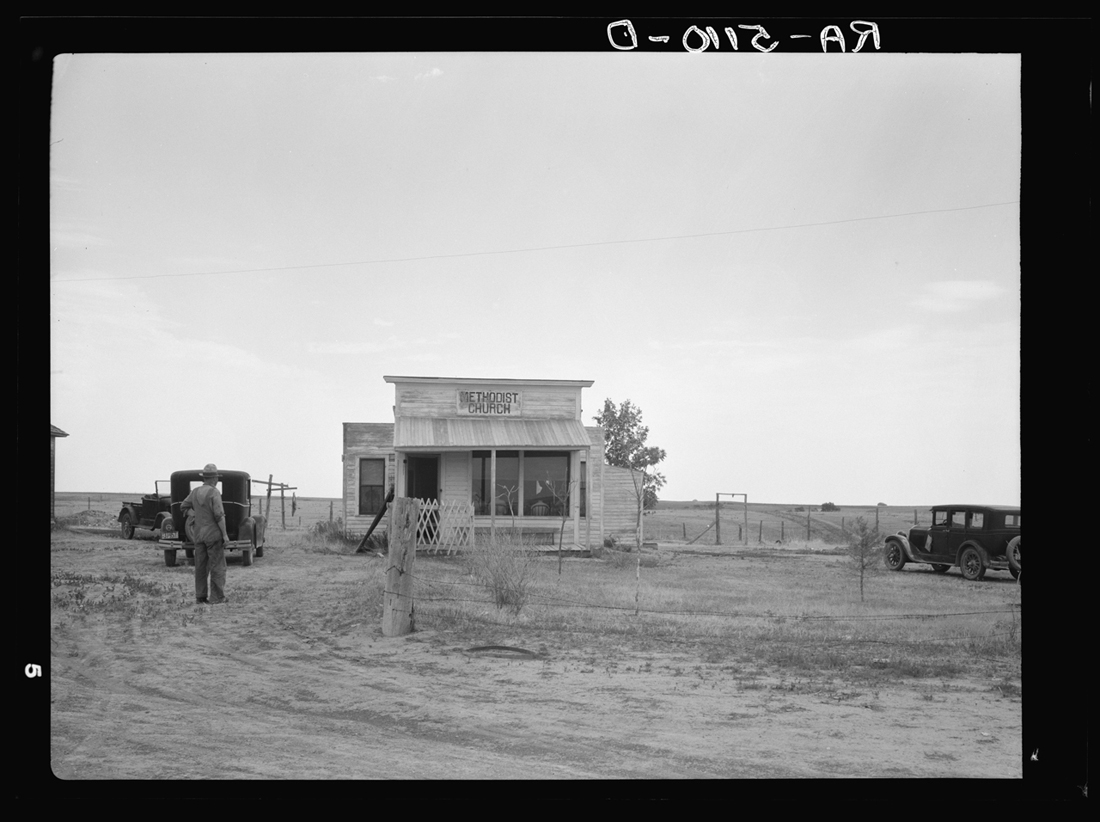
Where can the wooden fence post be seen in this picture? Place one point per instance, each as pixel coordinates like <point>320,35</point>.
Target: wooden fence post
<point>282,505</point>
<point>808,510</point>
<point>267,513</point>
<point>717,522</point>
<point>398,611</point>
<point>760,535</point>
<point>782,530</point>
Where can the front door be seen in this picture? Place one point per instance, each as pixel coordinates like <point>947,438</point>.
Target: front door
<point>422,482</point>
<point>422,478</point>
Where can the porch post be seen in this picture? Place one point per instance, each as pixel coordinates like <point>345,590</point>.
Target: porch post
<point>588,499</point>
<point>493,494</point>
<point>574,498</point>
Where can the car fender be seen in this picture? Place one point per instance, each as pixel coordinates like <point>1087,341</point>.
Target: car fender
<point>253,529</point>
<point>904,541</point>
<point>984,554</point>
<point>132,511</point>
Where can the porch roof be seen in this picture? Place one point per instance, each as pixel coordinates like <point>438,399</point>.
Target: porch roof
<point>427,433</point>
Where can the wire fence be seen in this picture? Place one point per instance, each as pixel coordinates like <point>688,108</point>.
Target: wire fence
<point>430,591</point>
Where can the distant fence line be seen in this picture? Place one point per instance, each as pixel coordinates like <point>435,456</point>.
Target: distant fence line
<point>794,527</point>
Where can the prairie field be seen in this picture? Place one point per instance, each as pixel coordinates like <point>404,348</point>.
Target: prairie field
<point>684,661</point>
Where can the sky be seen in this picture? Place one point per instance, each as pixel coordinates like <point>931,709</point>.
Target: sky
<point>804,269</point>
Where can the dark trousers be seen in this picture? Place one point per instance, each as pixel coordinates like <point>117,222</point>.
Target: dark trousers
<point>210,564</point>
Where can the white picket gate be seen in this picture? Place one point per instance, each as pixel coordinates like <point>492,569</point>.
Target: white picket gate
<point>446,526</point>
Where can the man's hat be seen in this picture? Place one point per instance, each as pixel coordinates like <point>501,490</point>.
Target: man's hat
<point>211,470</point>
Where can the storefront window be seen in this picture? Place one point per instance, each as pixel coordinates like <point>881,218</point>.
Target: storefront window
<point>507,488</point>
<point>544,492</point>
<point>584,489</point>
<point>545,484</point>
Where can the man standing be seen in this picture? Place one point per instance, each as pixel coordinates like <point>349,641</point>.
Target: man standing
<point>205,504</point>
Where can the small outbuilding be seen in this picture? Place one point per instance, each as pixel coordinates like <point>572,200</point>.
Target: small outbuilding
<point>55,432</point>
<point>485,455</point>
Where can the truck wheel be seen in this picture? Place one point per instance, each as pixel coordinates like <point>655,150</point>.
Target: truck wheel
<point>941,569</point>
<point>895,556</point>
<point>170,557</point>
<point>1014,556</point>
<point>246,556</point>
<point>971,565</point>
<point>127,526</point>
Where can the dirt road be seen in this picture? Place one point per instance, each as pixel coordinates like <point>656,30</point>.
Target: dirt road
<point>292,679</point>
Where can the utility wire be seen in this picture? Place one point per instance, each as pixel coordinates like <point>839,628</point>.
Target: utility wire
<point>538,248</point>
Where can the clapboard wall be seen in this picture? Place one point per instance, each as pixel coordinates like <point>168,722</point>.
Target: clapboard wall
<point>364,440</point>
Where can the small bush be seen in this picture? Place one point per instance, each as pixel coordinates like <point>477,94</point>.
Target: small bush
<point>828,506</point>
<point>506,567</point>
<point>331,532</point>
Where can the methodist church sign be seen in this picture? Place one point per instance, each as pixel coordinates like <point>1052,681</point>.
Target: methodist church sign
<point>489,403</point>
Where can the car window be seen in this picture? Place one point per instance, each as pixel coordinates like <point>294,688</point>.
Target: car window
<point>1012,520</point>
<point>977,520</point>
<point>958,519</point>
<point>939,518</point>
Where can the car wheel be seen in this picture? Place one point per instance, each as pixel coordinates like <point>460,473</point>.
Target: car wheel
<point>246,556</point>
<point>1014,556</point>
<point>941,569</point>
<point>127,527</point>
<point>170,557</point>
<point>971,565</point>
<point>895,556</point>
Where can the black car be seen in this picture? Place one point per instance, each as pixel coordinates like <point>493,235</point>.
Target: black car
<point>976,538</point>
<point>150,513</point>
<point>245,530</point>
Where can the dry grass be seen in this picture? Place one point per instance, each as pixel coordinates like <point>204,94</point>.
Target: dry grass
<point>793,612</point>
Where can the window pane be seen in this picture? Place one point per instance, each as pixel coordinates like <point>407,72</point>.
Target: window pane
<point>507,489</point>
<point>371,472</point>
<point>545,483</point>
<point>584,489</point>
<point>372,480</point>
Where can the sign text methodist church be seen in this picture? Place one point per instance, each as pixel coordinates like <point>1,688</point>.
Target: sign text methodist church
<point>489,403</point>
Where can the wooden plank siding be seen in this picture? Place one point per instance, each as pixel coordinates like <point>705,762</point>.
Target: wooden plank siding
<point>621,501</point>
<point>437,402</point>
<point>454,469</point>
<point>364,440</point>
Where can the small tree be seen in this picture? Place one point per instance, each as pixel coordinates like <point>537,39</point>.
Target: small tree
<point>625,447</point>
<point>863,550</point>
<point>560,492</point>
<point>828,506</point>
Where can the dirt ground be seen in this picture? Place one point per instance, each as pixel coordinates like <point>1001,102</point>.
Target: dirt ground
<point>290,680</point>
